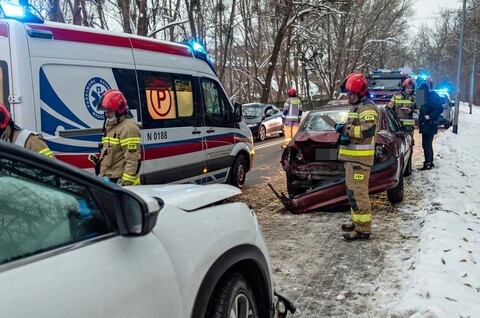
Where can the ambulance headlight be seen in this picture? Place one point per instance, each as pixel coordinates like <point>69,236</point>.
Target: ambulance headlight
<point>10,10</point>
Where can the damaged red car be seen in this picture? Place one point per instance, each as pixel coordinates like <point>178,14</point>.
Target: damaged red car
<point>315,177</point>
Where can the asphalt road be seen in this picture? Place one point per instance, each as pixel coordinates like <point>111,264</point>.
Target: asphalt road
<point>312,265</point>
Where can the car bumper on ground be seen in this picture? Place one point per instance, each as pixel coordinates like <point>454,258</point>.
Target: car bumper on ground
<point>384,176</point>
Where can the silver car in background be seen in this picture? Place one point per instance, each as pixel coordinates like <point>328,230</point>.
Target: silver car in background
<point>448,107</point>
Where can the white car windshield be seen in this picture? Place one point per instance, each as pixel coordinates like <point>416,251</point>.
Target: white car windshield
<point>315,122</point>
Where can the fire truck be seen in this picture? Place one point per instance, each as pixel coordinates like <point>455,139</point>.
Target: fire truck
<point>383,84</point>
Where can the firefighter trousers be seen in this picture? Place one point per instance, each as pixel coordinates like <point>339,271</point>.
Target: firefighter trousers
<point>356,179</point>
<point>290,129</point>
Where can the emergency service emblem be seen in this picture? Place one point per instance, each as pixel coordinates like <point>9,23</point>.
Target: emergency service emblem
<point>93,91</point>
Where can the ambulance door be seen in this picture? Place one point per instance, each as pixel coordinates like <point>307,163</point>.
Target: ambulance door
<point>172,134</point>
<point>5,62</point>
<point>219,129</point>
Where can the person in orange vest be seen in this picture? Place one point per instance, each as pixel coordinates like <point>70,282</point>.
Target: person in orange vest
<point>292,112</point>
<point>21,137</point>
<point>357,150</point>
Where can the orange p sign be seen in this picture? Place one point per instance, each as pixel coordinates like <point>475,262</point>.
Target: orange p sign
<point>160,100</point>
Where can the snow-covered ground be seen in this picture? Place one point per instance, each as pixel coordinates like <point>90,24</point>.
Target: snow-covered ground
<point>441,276</point>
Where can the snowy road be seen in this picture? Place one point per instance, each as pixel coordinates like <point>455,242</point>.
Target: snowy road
<point>322,274</point>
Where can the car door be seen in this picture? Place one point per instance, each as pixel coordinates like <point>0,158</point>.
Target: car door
<point>61,257</point>
<point>219,130</point>
<point>173,133</point>
<point>269,119</point>
<point>277,114</point>
<point>403,141</point>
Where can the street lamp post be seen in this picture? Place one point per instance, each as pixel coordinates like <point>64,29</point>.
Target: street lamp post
<point>459,70</point>
<point>474,54</point>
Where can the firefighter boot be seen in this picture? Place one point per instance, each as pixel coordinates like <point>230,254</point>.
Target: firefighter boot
<point>355,236</point>
<point>347,227</point>
<point>427,166</point>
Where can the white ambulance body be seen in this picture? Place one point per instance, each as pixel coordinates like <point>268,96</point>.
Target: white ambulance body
<point>52,75</point>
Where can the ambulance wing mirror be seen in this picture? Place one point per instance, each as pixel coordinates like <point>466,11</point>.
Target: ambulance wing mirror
<point>237,112</point>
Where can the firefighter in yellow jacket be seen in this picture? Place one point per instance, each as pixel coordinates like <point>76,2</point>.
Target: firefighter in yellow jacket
<point>357,148</point>
<point>292,112</point>
<point>404,104</point>
<point>21,137</point>
<point>119,159</point>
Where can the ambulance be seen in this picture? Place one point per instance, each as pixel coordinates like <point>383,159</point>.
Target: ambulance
<point>52,76</point>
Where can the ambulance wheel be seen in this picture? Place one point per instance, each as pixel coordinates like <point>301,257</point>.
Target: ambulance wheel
<point>238,172</point>
<point>395,195</point>
<point>262,133</point>
<point>233,297</point>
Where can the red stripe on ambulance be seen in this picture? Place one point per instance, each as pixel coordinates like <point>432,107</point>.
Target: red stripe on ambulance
<point>4,30</point>
<point>113,40</point>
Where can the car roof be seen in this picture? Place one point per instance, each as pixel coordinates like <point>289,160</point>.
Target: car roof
<point>338,104</point>
<point>257,104</point>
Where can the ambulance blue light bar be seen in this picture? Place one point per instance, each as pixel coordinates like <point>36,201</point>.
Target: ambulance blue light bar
<point>200,52</point>
<point>385,71</point>
<point>13,11</point>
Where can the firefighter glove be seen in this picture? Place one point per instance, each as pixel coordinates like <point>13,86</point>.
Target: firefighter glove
<point>339,128</point>
<point>344,140</point>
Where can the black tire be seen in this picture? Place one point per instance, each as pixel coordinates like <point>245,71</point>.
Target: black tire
<point>408,168</point>
<point>282,133</point>
<point>233,297</point>
<point>262,133</point>
<point>395,195</point>
<point>238,173</point>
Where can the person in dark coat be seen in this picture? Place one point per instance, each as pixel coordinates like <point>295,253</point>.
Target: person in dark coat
<point>428,121</point>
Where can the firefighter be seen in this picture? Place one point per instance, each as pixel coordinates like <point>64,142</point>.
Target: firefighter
<point>292,112</point>
<point>119,158</point>
<point>404,104</point>
<point>21,137</point>
<point>357,147</point>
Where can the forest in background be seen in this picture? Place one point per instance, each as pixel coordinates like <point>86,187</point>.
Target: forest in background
<point>263,47</point>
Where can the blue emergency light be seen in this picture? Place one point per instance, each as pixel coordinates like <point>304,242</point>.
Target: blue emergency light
<point>13,11</point>
<point>200,52</point>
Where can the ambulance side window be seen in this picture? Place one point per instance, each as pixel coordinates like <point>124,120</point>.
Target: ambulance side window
<point>217,109</point>
<point>4,84</point>
<point>167,100</point>
<point>127,84</point>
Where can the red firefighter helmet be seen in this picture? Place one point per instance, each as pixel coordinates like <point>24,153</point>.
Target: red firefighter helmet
<point>4,117</point>
<point>408,81</point>
<point>113,99</point>
<point>355,83</point>
<point>292,92</point>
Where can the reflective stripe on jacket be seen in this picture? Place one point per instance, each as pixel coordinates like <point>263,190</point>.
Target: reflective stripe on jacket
<point>400,101</point>
<point>120,154</point>
<point>292,109</point>
<point>361,127</point>
<point>29,140</point>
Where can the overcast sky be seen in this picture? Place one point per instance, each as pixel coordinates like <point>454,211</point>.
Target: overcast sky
<point>425,10</point>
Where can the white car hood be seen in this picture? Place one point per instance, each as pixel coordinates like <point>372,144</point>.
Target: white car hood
<point>187,197</point>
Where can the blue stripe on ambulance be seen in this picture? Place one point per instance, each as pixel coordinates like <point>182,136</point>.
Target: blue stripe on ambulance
<point>50,97</point>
